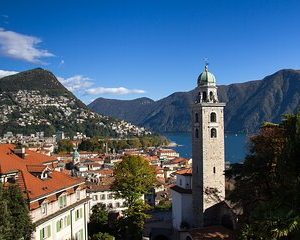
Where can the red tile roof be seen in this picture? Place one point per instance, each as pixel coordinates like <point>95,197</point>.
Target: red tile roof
<point>32,186</point>
<point>186,171</point>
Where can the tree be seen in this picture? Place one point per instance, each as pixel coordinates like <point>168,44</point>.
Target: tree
<point>98,219</point>
<point>134,177</point>
<point>102,236</point>
<point>268,183</point>
<point>65,145</point>
<point>14,215</point>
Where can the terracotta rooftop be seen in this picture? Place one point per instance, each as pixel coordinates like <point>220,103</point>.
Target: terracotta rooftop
<point>179,160</point>
<point>186,171</point>
<point>33,187</point>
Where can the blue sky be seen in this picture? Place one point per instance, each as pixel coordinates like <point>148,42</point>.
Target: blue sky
<point>129,49</point>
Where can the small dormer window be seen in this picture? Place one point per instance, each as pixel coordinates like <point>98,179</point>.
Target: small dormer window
<point>62,201</point>
<point>44,208</point>
<point>78,194</point>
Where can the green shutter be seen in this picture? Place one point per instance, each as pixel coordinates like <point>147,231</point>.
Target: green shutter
<point>81,234</point>
<point>60,201</point>
<point>57,226</point>
<point>49,231</point>
<point>68,220</point>
<point>41,234</point>
<point>76,215</point>
<point>80,213</point>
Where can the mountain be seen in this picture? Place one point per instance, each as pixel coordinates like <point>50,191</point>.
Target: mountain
<point>248,105</point>
<point>34,101</point>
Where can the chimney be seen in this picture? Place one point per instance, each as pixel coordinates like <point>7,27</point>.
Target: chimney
<point>20,151</point>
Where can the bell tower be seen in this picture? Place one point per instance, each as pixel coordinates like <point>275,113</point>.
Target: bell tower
<point>208,180</point>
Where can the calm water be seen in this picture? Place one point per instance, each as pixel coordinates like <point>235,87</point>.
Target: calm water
<point>235,145</point>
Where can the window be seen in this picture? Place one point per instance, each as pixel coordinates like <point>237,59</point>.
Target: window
<point>62,201</point>
<point>214,170</point>
<point>213,117</point>
<point>110,196</point>
<point>45,232</point>
<point>196,117</point>
<point>196,133</point>
<point>67,220</point>
<point>204,96</point>
<point>180,182</point>
<point>117,204</point>
<point>78,194</point>
<point>79,235</point>
<point>110,205</point>
<point>213,133</point>
<point>78,214</point>
<point>102,197</point>
<point>59,225</point>
<point>95,197</point>
<point>44,208</point>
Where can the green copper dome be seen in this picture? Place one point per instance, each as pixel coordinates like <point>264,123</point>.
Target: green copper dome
<point>206,78</point>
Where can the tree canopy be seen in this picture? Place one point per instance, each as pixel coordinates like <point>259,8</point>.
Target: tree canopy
<point>267,185</point>
<point>14,215</point>
<point>133,178</point>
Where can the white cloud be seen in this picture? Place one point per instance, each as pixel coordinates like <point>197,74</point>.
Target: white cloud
<point>116,91</point>
<point>76,83</point>
<point>20,46</point>
<point>4,73</point>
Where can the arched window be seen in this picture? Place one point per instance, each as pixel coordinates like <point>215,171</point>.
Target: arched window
<point>204,96</point>
<point>213,117</point>
<point>196,117</point>
<point>196,133</point>
<point>213,133</point>
<point>211,96</point>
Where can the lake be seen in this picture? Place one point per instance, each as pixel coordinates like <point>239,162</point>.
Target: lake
<point>235,145</point>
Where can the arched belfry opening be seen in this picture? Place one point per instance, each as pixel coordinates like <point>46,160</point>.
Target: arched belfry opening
<point>204,96</point>
<point>196,117</point>
<point>213,133</point>
<point>213,117</point>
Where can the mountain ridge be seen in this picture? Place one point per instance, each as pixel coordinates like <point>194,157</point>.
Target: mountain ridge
<point>248,105</point>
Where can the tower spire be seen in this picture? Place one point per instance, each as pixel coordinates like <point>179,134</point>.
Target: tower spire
<point>206,62</point>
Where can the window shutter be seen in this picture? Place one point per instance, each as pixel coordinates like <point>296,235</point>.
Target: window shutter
<point>81,234</point>
<point>80,212</point>
<point>68,220</point>
<point>49,230</point>
<point>41,234</point>
<point>76,215</point>
<point>57,226</point>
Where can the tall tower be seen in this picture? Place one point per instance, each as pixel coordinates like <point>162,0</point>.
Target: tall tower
<point>208,180</point>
